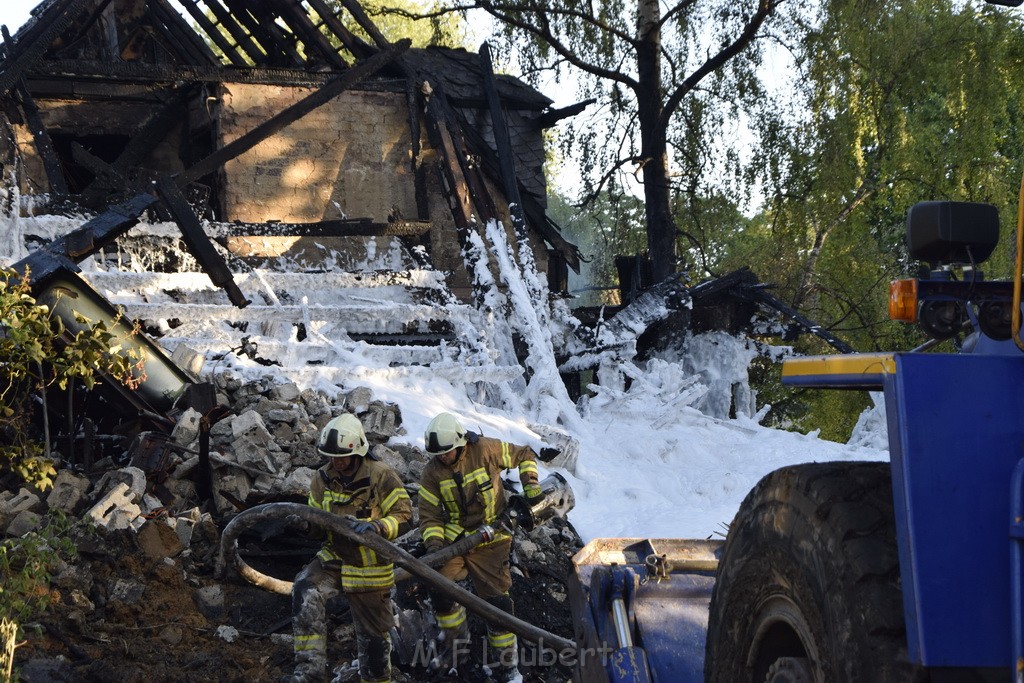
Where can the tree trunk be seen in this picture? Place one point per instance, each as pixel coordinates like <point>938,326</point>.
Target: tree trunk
<point>661,230</point>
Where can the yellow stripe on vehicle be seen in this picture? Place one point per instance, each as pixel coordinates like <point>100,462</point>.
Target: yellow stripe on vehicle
<point>849,371</point>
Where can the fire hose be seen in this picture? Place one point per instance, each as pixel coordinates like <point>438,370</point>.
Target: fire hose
<point>519,513</point>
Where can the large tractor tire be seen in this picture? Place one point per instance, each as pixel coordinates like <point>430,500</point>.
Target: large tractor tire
<point>808,588</point>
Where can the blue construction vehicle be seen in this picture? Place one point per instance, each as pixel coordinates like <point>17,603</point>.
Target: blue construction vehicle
<point>907,570</point>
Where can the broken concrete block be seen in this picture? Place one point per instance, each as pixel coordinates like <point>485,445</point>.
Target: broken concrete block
<point>115,510</point>
<point>158,540</point>
<point>382,420</point>
<point>185,468</point>
<point>358,400</point>
<point>250,426</point>
<point>132,477</point>
<point>252,455</point>
<point>187,429</point>
<point>183,527</point>
<point>23,522</point>
<point>188,359</point>
<point>286,392</point>
<point>210,601</point>
<point>278,415</point>
<point>284,432</point>
<point>221,429</point>
<point>68,491</point>
<point>237,484</point>
<point>316,404</point>
<point>298,482</point>
<point>23,500</point>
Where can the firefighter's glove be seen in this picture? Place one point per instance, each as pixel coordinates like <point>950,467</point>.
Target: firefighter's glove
<point>361,526</point>
<point>548,454</point>
<point>433,545</point>
<point>533,493</point>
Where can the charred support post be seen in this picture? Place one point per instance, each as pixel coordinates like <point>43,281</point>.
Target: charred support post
<point>504,146</point>
<point>198,243</point>
<point>325,94</point>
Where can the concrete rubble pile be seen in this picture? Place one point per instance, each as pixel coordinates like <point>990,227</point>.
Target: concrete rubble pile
<point>147,546</point>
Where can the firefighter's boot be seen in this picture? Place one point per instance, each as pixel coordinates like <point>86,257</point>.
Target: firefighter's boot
<point>454,650</point>
<point>374,658</point>
<point>502,647</point>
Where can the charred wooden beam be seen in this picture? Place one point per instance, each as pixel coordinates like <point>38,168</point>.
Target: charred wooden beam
<point>363,227</point>
<point>213,32</point>
<point>106,75</point>
<point>316,42</point>
<point>41,138</point>
<point>453,178</point>
<point>266,42</point>
<point>503,143</point>
<point>152,132</point>
<point>535,213</point>
<point>353,43</point>
<point>169,19</point>
<point>64,252</point>
<point>364,21</point>
<point>99,168</point>
<point>329,91</point>
<point>198,243</point>
<point>38,39</point>
<point>285,43</point>
<point>550,118</point>
<point>242,39</point>
<point>418,170</point>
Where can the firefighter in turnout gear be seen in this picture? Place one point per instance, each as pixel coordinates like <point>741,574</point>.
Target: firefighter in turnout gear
<point>374,498</point>
<point>461,490</point>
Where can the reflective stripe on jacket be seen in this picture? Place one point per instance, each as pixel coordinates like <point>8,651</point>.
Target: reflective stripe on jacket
<point>373,493</point>
<point>469,493</point>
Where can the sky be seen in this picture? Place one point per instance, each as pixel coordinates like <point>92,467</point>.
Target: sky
<point>14,13</point>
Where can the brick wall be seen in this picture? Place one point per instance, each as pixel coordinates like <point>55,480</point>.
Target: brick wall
<point>350,157</point>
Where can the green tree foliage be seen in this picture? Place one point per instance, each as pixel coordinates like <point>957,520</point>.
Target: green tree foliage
<point>40,352</point>
<point>891,103</point>
<point>666,77</point>
<point>611,224</point>
<point>444,30</point>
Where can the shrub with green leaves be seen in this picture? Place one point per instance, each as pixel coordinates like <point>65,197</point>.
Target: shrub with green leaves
<point>37,351</point>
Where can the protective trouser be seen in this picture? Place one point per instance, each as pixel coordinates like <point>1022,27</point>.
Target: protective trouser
<point>502,648</point>
<point>371,616</point>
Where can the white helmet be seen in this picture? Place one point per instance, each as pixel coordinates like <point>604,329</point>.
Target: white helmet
<point>443,434</point>
<point>343,436</point>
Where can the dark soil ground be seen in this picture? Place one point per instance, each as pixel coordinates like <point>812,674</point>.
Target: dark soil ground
<point>115,615</point>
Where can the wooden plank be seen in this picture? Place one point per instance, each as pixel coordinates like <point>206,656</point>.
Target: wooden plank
<point>242,39</point>
<point>452,177</point>
<point>37,40</point>
<point>198,243</point>
<point>329,91</point>
<point>285,44</point>
<point>364,21</point>
<point>213,33</point>
<point>86,240</point>
<point>503,143</point>
<point>175,24</point>
<point>353,43</point>
<point>41,138</point>
<point>316,42</point>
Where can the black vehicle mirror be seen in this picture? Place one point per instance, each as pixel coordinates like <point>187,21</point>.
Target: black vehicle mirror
<point>946,233</point>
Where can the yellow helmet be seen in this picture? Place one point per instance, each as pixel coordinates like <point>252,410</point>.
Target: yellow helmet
<point>443,434</point>
<point>343,436</point>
